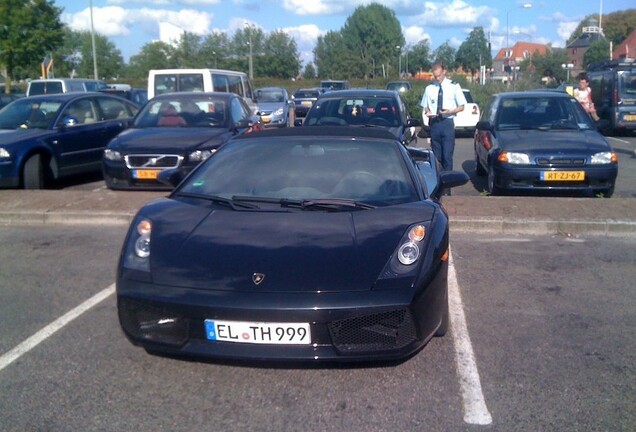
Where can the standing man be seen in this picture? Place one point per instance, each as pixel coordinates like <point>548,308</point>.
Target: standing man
<point>441,101</point>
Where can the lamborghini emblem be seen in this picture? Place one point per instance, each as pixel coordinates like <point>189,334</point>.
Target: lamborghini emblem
<point>257,278</point>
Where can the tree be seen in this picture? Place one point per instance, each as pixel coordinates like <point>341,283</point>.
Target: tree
<point>419,57</point>
<point>597,51</point>
<point>215,49</point>
<point>240,47</point>
<point>309,72</point>
<point>473,52</point>
<point>333,58</point>
<point>29,29</point>
<point>75,56</point>
<point>280,57</point>
<point>187,53</point>
<point>374,34</point>
<point>546,65</point>
<point>153,55</point>
<point>444,55</point>
<point>616,25</point>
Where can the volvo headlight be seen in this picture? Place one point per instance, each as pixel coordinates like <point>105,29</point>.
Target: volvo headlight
<point>514,158</point>
<point>604,158</point>
<point>200,155</point>
<point>112,155</point>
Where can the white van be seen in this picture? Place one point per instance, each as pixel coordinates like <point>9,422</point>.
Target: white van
<point>63,85</point>
<point>201,80</point>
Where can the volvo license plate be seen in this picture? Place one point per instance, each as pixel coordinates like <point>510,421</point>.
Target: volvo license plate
<point>143,174</point>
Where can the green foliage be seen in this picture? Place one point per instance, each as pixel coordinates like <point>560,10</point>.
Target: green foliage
<point>334,59</point>
<point>444,55</point>
<point>419,57</point>
<point>549,64</point>
<point>597,51</point>
<point>473,52</point>
<point>280,56</point>
<point>374,34</point>
<point>309,72</point>
<point>75,56</point>
<point>29,29</point>
<point>616,25</point>
<point>153,55</point>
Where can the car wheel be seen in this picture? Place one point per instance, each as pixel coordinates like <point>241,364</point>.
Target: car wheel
<point>34,173</point>
<point>607,193</point>
<point>443,327</point>
<point>492,188</point>
<point>479,169</point>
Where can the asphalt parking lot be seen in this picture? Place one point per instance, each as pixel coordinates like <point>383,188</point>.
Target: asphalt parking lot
<point>535,344</point>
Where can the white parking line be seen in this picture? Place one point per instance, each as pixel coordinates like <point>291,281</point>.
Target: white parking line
<point>620,140</point>
<point>475,409</point>
<point>39,337</point>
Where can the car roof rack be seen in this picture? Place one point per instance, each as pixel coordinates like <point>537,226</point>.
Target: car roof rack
<point>625,63</point>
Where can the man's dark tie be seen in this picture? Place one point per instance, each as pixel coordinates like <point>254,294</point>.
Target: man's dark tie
<point>440,100</point>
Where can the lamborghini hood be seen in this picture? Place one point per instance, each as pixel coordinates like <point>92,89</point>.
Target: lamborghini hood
<point>277,251</point>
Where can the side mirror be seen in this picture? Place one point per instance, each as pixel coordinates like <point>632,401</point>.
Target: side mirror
<point>171,177</point>
<point>298,122</point>
<point>451,179</point>
<point>69,121</point>
<point>484,125</point>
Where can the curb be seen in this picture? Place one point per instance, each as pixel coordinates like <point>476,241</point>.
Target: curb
<point>485,225</point>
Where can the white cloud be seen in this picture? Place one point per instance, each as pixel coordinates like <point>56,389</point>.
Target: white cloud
<point>113,21</point>
<point>415,34</point>
<point>313,7</point>
<point>565,30</point>
<point>457,13</point>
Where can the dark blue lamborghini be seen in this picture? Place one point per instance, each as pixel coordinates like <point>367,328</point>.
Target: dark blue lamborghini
<point>294,244</point>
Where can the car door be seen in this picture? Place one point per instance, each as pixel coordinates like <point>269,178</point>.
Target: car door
<point>78,142</point>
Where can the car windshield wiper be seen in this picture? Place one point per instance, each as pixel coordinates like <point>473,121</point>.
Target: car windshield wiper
<point>305,204</point>
<point>232,203</point>
<point>327,204</point>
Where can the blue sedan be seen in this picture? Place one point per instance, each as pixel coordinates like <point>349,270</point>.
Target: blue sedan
<point>44,138</point>
<point>174,130</point>
<point>542,141</point>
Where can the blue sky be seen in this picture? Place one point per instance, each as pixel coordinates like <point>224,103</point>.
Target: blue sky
<point>130,24</point>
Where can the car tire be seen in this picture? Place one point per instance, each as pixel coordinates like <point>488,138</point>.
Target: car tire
<point>34,173</point>
<point>607,193</point>
<point>492,187</point>
<point>443,326</point>
<point>479,169</point>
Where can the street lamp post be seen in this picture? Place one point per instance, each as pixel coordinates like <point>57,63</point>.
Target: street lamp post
<point>399,48</point>
<point>251,66</point>
<point>523,6</point>
<point>90,2</point>
<point>567,67</point>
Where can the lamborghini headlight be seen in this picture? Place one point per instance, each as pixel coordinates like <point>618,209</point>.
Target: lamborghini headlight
<point>138,247</point>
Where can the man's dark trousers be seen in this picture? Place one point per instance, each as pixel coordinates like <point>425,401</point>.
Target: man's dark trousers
<point>443,141</point>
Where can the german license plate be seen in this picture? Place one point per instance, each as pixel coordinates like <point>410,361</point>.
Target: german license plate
<point>145,174</point>
<point>630,117</point>
<point>563,175</point>
<point>258,333</point>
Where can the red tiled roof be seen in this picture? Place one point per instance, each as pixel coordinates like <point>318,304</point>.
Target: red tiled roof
<point>520,48</point>
<point>627,48</point>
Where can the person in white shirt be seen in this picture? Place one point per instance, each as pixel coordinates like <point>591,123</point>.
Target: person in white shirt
<point>441,101</point>
<point>583,94</point>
